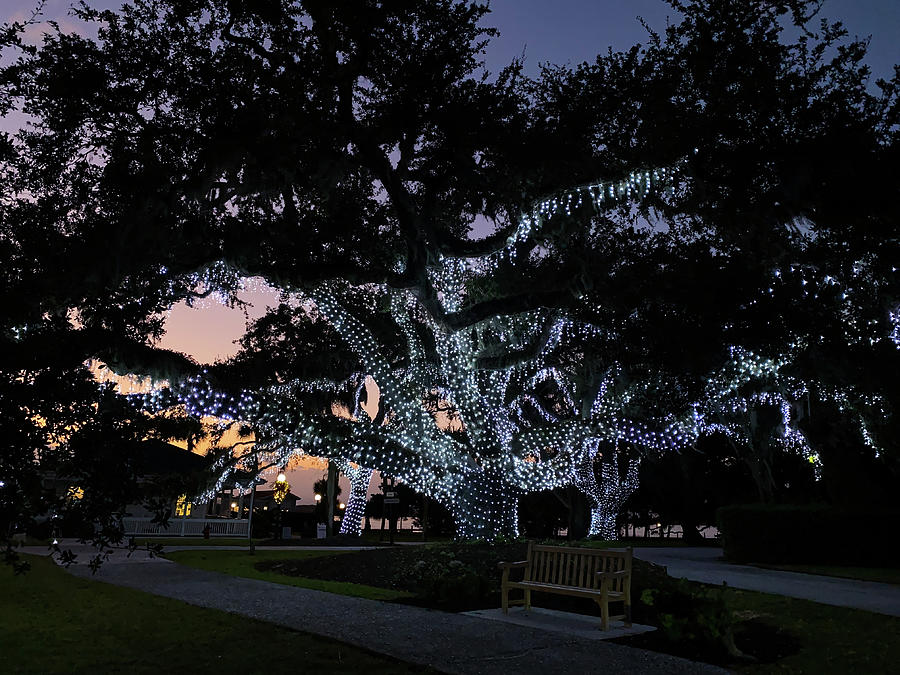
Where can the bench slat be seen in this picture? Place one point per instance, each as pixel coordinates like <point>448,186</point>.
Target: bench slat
<point>573,568</point>
<point>602,552</point>
<point>556,588</point>
<point>541,564</point>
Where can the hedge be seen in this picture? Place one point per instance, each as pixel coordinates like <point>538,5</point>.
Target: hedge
<point>809,534</point>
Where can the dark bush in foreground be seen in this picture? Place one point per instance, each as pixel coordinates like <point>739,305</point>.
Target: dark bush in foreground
<point>692,616</point>
<point>808,534</point>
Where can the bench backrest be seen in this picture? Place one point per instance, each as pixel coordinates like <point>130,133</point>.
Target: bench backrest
<point>568,566</point>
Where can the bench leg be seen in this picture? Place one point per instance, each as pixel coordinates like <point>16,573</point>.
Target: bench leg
<point>604,615</point>
<point>628,613</point>
<point>527,600</point>
<point>504,600</point>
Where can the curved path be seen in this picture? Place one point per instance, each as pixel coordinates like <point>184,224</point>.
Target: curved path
<point>450,643</point>
<point>706,565</point>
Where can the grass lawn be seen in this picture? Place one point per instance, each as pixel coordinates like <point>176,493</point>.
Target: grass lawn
<point>831,639</point>
<point>52,622</point>
<point>799,636</point>
<point>241,564</point>
<point>885,575</point>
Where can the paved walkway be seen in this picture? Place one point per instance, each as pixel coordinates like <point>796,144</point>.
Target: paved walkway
<point>706,565</point>
<point>169,549</point>
<point>451,643</point>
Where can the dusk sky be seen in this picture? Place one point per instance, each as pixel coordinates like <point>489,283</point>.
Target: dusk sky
<point>563,31</point>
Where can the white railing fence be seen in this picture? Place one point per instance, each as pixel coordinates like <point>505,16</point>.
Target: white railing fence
<point>187,527</point>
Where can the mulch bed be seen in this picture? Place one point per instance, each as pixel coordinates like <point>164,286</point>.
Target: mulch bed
<point>389,567</point>
<point>395,568</point>
<point>337,540</point>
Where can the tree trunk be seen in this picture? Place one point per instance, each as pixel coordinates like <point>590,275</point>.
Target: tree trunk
<point>485,507</point>
<point>607,496</point>
<point>761,478</point>
<point>356,504</point>
<point>579,507</point>
<point>691,534</point>
<point>603,523</point>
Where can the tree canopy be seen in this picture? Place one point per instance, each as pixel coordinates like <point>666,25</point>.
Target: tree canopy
<point>724,189</point>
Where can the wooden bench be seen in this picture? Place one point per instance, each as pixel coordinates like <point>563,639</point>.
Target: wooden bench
<point>601,574</point>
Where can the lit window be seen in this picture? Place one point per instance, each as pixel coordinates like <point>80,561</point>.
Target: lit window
<point>75,493</point>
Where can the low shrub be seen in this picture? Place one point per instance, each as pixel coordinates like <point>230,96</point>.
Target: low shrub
<point>808,534</point>
<point>447,582</point>
<point>694,618</point>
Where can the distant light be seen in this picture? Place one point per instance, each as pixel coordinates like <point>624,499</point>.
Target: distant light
<point>318,497</point>
<point>281,478</point>
<point>342,505</point>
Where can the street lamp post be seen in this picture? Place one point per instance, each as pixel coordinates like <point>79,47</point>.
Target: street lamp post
<point>332,490</point>
<point>281,489</point>
<point>250,517</point>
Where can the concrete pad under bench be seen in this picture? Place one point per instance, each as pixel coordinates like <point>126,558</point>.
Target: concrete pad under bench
<point>561,622</point>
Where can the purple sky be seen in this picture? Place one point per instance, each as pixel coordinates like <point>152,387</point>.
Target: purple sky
<point>572,31</point>
<point>562,31</point>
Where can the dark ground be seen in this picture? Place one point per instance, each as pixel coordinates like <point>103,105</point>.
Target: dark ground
<point>471,580</point>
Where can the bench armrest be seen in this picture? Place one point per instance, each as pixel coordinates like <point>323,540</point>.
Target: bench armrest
<point>612,575</point>
<point>510,565</point>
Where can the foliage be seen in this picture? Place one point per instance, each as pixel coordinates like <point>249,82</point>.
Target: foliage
<point>74,452</point>
<point>280,491</point>
<point>699,618</point>
<point>448,582</point>
<point>445,581</point>
<point>687,488</point>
